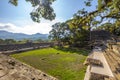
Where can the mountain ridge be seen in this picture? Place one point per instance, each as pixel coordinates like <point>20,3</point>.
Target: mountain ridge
<point>20,36</point>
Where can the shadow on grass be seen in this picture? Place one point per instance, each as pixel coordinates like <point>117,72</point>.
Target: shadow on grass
<point>73,50</point>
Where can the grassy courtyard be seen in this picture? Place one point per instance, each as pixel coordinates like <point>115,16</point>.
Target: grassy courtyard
<point>62,64</point>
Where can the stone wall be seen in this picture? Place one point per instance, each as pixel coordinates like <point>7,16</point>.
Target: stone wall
<point>11,69</point>
<point>21,46</point>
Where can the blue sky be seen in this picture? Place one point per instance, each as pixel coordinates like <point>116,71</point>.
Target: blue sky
<point>19,21</point>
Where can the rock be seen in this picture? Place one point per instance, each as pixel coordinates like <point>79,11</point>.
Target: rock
<point>58,53</point>
<point>11,62</point>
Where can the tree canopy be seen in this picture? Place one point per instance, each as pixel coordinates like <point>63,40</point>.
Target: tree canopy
<point>77,30</point>
<point>42,9</point>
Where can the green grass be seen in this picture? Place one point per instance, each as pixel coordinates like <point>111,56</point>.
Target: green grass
<point>62,64</point>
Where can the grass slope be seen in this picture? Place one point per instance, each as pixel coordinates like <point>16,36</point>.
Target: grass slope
<point>64,65</point>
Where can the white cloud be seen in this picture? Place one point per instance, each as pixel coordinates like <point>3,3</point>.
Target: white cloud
<point>30,28</point>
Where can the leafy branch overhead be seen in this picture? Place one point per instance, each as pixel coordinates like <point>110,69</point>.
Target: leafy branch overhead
<point>42,9</point>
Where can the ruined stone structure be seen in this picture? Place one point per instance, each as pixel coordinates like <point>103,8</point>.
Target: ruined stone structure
<point>21,46</point>
<point>104,64</point>
<point>11,69</point>
<point>100,37</point>
<point>16,48</point>
<point>104,61</point>
<point>112,55</point>
<point>98,68</point>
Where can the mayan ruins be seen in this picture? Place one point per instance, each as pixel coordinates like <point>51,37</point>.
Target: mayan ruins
<point>59,39</point>
<point>103,61</point>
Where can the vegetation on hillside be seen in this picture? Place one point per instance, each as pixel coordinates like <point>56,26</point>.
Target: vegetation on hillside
<point>7,41</point>
<point>12,41</point>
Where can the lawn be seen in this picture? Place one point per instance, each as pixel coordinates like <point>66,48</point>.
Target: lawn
<point>62,64</point>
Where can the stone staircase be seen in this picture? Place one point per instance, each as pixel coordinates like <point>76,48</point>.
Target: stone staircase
<point>98,66</point>
<point>113,59</point>
<point>112,56</point>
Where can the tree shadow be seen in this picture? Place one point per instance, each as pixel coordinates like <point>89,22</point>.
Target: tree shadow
<point>80,51</point>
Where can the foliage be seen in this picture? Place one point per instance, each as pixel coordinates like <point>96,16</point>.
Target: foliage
<point>69,33</point>
<point>113,28</point>
<point>56,32</point>
<point>76,31</point>
<point>80,25</point>
<point>14,2</point>
<point>7,41</point>
<point>88,3</point>
<point>110,7</point>
<point>42,9</point>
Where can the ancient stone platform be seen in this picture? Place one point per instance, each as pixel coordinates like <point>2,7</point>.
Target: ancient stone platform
<point>11,69</point>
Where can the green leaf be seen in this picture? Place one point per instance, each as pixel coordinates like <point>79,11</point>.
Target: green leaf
<point>14,2</point>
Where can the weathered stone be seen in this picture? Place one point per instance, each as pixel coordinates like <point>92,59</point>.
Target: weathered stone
<point>11,69</point>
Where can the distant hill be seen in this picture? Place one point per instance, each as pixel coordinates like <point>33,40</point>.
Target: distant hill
<point>21,36</point>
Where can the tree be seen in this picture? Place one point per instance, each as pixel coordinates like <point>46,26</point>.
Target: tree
<point>113,28</point>
<point>42,9</point>
<point>76,30</point>
<point>56,33</point>
<point>69,32</point>
<point>1,41</point>
<point>9,41</point>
